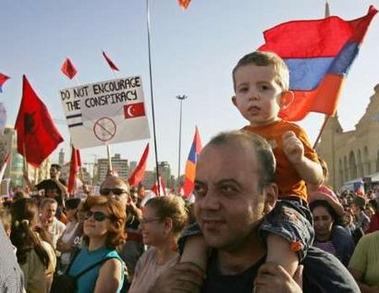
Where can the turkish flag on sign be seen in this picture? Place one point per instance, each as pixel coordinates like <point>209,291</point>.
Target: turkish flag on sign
<point>134,110</point>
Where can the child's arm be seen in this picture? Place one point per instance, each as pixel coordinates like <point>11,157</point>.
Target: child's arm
<point>309,170</point>
<point>279,252</point>
<point>196,251</point>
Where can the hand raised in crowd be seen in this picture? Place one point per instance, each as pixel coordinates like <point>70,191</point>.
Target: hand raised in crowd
<point>293,147</point>
<point>274,278</point>
<point>183,277</point>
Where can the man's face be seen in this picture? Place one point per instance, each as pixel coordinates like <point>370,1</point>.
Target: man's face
<point>48,211</point>
<point>228,205</point>
<point>117,188</point>
<point>54,172</point>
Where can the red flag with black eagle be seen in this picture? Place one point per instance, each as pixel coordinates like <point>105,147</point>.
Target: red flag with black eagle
<point>37,136</point>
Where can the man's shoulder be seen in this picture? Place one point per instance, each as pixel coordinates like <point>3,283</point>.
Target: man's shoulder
<point>323,272</point>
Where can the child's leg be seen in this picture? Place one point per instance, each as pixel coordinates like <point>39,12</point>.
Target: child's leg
<point>279,252</point>
<point>289,233</point>
<point>195,251</point>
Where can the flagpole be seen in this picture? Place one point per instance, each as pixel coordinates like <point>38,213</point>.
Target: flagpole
<point>25,159</point>
<point>151,89</point>
<point>181,99</point>
<point>109,159</point>
<point>326,119</point>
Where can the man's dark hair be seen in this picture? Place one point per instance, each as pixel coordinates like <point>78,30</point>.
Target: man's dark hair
<point>56,166</point>
<point>266,160</point>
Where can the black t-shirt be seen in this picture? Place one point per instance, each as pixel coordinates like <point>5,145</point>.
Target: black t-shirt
<point>323,272</point>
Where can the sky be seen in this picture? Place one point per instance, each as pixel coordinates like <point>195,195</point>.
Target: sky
<point>192,54</point>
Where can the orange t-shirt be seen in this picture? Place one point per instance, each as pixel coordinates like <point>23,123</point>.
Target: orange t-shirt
<point>289,181</point>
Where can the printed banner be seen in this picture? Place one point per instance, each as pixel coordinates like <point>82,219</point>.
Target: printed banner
<point>106,112</point>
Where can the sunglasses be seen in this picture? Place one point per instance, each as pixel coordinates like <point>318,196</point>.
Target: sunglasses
<point>115,191</point>
<point>98,216</point>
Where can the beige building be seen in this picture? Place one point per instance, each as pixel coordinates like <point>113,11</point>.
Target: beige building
<point>352,154</point>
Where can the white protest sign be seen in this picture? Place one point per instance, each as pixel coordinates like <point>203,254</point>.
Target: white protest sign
<point>106,112</point>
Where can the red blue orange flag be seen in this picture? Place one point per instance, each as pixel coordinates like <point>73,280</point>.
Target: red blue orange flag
<point>110,62</point>
<point>184,3</point>
<point>189,176</point>
<point>3,79</point>
<point>318,54</point>
<point>136,177</point>
<point>68,69</point>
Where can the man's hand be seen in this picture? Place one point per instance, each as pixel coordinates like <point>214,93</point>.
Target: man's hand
<point>183,277</point>
<point>273,278</point>
<point>293,147</point>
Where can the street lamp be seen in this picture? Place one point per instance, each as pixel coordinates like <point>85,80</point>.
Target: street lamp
<point>180,98</point>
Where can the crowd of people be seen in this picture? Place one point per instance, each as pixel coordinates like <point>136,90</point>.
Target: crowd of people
<point>263,219</point>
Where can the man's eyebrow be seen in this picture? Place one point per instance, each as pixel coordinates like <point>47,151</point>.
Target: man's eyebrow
<point>221,181</point>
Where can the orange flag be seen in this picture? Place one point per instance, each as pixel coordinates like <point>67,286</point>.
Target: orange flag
<point>184,3</point>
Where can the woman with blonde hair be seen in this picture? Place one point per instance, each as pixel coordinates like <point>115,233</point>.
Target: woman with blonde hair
<point>163,220</point>
<point>103,233</point>
<point>35,256</point>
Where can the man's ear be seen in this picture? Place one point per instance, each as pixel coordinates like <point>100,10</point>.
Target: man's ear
<point>234,101</point>
<point>286,99</point>
<point>271,193</point>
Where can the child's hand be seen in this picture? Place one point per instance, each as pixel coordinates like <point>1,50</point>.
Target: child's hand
<point>182,277</point>
<point>293,147</point>
<point>273,278</point>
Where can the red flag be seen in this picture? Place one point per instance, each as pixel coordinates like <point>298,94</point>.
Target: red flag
<point>138,173</point>
<point>3,79</point>
<point>110,62</point>
<point>189,176</point>
<point>134,110</point>
<point>75,164</point>
<point>68,69</point>
<point>162,188</point>
<point>36,132</point>
<point>184,3</point>
<point>318,54</point>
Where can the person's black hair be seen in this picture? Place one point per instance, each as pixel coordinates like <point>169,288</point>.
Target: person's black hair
<point>56,166</point>
<point>72,203</point>
<point>323,203</point>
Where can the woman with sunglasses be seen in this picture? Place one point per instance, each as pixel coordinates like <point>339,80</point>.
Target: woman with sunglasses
<point>163,220</point>
<point>103,232</point>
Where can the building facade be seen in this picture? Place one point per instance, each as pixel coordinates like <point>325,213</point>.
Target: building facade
<point>352,154</point>
<point>119,166</point>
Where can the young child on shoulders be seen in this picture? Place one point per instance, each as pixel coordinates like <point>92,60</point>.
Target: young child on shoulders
<point>261,85</point>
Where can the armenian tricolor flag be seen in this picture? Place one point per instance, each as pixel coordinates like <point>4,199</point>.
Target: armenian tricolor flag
<point>318,54</point>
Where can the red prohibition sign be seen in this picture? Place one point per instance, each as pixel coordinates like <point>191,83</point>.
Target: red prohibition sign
<point>104,129</point>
